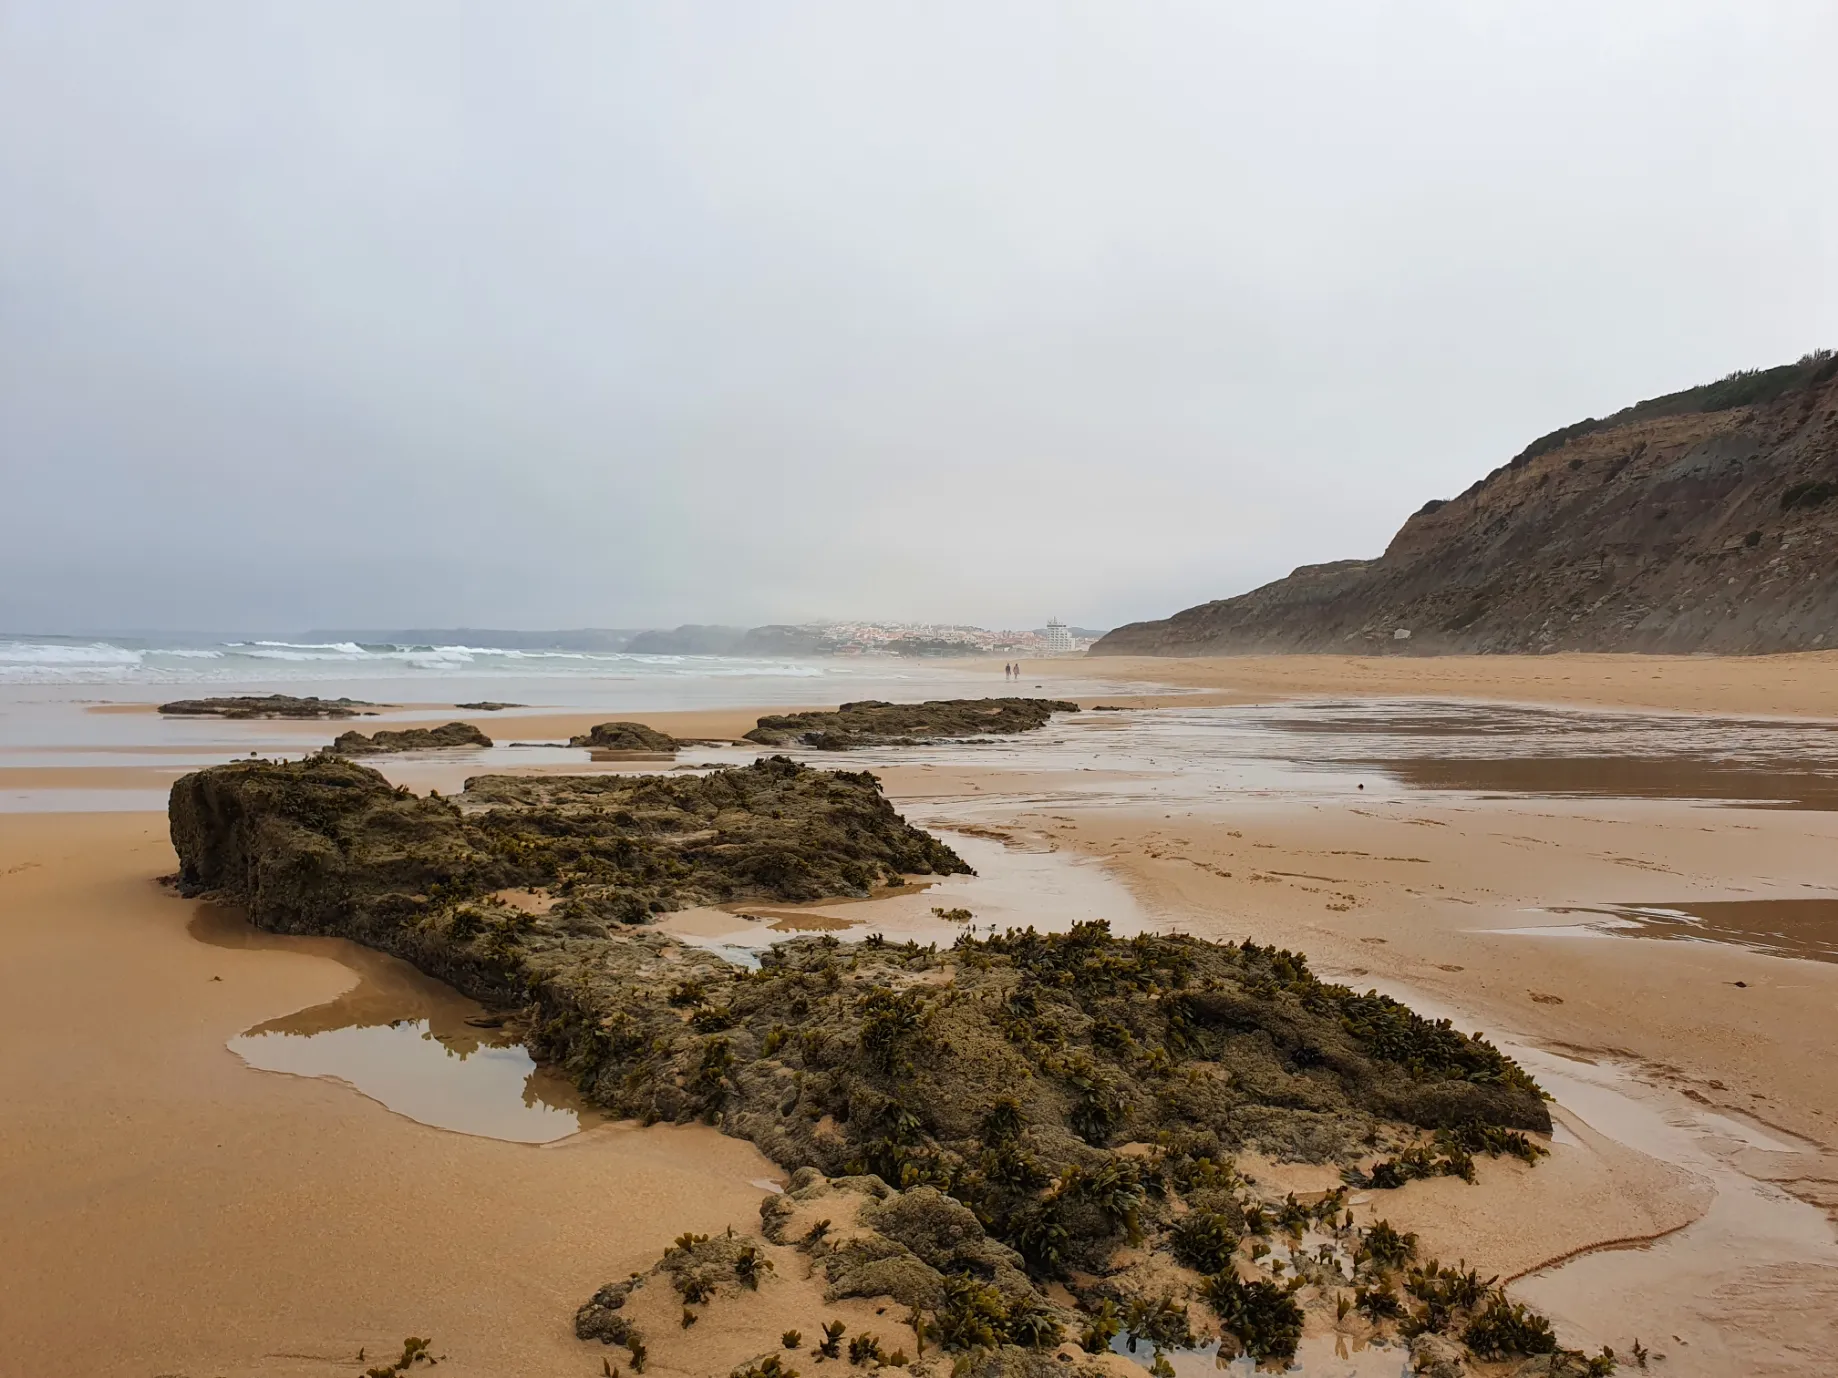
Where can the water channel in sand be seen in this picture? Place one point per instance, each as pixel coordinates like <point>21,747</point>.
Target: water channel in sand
<point>1020,882</point>
<point>1803,928</point>
<point>1710,1297</point>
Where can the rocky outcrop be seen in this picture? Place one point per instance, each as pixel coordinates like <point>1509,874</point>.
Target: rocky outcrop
<point>898,1056</point>
<point>1705,520</point>
<point>242,706</point>
<point>633,737</point>
<point>460,734</point>
<point>872,722</point>
<point>1051,1105</point>
<point>326,845</point>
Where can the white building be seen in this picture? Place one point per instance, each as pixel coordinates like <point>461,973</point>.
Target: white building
<point>1059,637</point>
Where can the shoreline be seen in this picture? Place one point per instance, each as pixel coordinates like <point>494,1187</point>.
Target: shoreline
<point>1800,684</point>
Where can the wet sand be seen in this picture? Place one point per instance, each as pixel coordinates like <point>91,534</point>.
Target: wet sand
<point>1801,685</point>
<point>164,1209</point>
<point>146,1163</point>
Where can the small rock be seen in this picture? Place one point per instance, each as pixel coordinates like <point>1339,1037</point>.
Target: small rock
<point>1435,1357</point>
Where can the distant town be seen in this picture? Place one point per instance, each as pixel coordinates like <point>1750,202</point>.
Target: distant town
<point>867,639</point>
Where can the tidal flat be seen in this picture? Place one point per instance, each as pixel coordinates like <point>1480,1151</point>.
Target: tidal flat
<point>1407,885</point>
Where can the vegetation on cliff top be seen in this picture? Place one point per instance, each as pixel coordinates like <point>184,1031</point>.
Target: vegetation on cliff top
<point>1743,388</point>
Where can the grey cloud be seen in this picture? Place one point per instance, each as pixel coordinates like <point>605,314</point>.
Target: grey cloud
<point>560,314</point>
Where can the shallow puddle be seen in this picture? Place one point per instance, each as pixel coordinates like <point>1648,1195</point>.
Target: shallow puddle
<point>403,1039</point>
<point>1400,747</point>
<point>1319,1356</point>
<point>1017,884</point>
<point>1803,928</point>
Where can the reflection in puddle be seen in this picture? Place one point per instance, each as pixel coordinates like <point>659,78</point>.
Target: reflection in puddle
<point>1015,886</point>
<point>406,1040</point>
<point>1804,928</point>
<point>486,1090</point>
<point>1318,1356</point>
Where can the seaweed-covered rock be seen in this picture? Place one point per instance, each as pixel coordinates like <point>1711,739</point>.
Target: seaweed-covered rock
<point>242,706</point>
<point>1037,1101</point>
<point>874,723</point>
<point>410,739</point>
<point>1003,1072</point>
<point>487,706</point>
<point>947,1323</point>
<point>599,1318</point>
<point>326,845</point>
<point>627,736</point>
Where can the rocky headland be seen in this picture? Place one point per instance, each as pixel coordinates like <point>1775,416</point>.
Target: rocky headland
<point>248,706</point>
<point>872,722</point>
<point>453,734</point>
<point>1703,520</point>
<point>1015,1112</point>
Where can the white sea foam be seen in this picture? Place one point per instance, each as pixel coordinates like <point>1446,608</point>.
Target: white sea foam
<point>279,663</point>
<point>60,653</point>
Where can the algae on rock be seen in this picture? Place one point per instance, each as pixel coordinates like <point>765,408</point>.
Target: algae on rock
<point>451,734</point>
<point>245,706</point>
<point>872,722</point>
<point>1021,1107</point>
<point>627,736</point>
<point>328,846</point>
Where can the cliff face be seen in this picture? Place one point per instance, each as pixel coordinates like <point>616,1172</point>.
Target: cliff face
<point>1706,520</point>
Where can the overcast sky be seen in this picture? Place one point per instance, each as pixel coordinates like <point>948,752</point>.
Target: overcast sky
<point>384,313</point>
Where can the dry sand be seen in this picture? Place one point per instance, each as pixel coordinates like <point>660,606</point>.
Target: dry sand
<point>1804,685</point>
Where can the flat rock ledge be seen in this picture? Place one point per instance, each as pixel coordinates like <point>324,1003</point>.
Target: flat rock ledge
<point>872,722</point>
<point>453,734</point>
<point>268,706</point>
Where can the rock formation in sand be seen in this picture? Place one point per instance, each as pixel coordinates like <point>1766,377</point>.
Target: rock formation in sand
<point>874,723</point>
<point>1015,1111</point>
<point>410,739</point>
<point>268,706</point>
<point>1704,520</point>
<point>627,736</point>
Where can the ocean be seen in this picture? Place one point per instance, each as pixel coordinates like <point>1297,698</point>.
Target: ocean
<point>155,668</point>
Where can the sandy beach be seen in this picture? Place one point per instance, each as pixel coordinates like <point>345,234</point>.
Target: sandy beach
<point>1802,685</point>
<point>248,1222</point>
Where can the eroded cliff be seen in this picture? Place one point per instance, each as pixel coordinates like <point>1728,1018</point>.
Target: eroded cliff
<point>1704,520</point>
